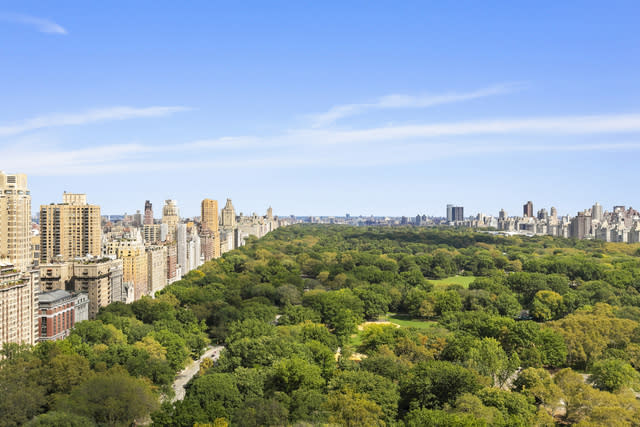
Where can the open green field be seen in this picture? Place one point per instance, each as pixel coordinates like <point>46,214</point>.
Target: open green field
<point>463,281</point>
<point>429,327</point>
<point>408,322</point>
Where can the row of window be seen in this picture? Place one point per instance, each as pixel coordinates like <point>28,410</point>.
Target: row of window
<point>20,192</point>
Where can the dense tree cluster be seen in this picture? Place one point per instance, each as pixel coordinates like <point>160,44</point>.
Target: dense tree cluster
<point>547,332</point>
<point>110,371</point>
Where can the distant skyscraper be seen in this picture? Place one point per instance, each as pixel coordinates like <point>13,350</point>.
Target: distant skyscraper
<point>15,220</point>
<point>171,217</point>
<point>228,215</point>
<point>527,209</point>
<point>137,219</point>
<point>449,213</point>
<point>455,213</point>
<point>502,214</point>
<point>554,212</point>
<point>596,212</point>
<point>542,214</point>
<point>181,243</point>
<point>458,213</point>
<point>148,213</point>
<point>209,213</point>
<point>70,229</point>
<point>580,226</point>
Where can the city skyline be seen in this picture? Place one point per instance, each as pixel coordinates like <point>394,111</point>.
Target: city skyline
<point>322,109</point>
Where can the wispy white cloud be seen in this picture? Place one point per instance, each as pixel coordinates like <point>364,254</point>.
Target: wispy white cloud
<point>86,117</point>
<point>597,124</point>
<point>397,101</point>
<point>40,24</point>
<point>274,153</point>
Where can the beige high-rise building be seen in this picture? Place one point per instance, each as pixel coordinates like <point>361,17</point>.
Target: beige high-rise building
<point>209,215</point>
<point>210,233</point>
<point>156,268</point>
<point>70,229</point>
<point>18,306</point>
<point>134,259</point>
<point>171,217</point>
<point>15,220</point>
<point>228,216</point>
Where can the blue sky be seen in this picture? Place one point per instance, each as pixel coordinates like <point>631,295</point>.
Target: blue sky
<point>384,108</point>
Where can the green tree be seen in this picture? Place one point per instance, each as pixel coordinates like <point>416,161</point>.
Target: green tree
<point>489,359</point>
<point>547,305</point>
<point>21,395</point>
<point>438,418</point>
<point>433,384</point>
<point>613,375</point>
<point>60,419</point>
<point>352,409</point>
<point>293,373</point>
<point>262,412</point>
<point>113,398</point>
<point>379,389</point>
<point>538,384</point>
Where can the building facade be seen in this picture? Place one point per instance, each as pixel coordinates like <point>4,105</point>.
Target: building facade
<point>171,217</point>
<point>527,210</point>
<point>148,213</point>
<point>99,278</point>
<point>18,305</point>
<point>156,268</point>
<point>58,312</point>
<point>228,216</point>
<point>15,221</point>
<point>69,230</point>
<point>134,263</point>
<point>209,217</point>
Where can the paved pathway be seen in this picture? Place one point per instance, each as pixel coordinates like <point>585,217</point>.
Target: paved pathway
<point>183,377</point>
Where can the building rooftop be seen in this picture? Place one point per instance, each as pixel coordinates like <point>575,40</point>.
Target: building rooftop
<point>53,296</point>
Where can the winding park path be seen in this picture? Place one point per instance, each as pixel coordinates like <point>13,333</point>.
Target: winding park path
<point>184,376</point>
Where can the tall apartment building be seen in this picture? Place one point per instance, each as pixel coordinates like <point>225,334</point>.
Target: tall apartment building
<point>194,249</point>
<point>156,268</point>
<point>172,264</point>
<point>154,233</point>
<point>527,209</point>
<point>134,259</point>
<point>171,217</point>
<point>596,212</point>
<point>210,233</point>
<point>70,229</point>
<point>15,221</point>
<point>226,241</point>
<point>209,218</point>
<point>455,213</point>
<point>580,225</point>
<point>148,213</point>
<point>228,220</point>
<point>18,305</point>
<point>181,245</point>
<point>207,245</point>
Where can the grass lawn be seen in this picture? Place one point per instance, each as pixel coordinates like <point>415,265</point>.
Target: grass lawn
<point>407,321</point>
<point>442,284</point>
<point>355,340</point>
